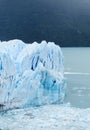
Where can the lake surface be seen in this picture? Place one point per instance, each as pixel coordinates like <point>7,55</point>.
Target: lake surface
<point>77,73</point>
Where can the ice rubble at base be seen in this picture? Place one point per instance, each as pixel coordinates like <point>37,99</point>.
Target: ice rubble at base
<point>30,74</point>
<point>47,117</point>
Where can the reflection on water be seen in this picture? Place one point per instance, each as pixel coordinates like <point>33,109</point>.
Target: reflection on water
<point>77,67</point>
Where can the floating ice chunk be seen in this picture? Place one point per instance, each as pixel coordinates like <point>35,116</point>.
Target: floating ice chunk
<point>31,74</point>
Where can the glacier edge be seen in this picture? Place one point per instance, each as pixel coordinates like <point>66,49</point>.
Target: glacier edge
<point>31,74</point>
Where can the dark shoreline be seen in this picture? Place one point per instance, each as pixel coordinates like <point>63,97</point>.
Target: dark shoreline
<point>65,23</point>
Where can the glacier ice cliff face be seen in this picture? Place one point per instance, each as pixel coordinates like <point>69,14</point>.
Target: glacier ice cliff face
<point>30,74</point>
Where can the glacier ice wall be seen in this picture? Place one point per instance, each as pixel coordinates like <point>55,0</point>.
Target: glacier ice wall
<point>30,74</point>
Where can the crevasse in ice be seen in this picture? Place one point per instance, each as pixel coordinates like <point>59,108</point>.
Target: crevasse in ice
<point>30,74</point>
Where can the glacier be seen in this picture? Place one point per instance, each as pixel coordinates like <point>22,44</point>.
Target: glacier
<point>30,74</point>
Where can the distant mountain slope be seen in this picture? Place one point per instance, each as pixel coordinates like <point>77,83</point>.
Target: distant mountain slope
<point>65,22</point>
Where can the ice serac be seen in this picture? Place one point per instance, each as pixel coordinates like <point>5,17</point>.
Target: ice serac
<point>31,74</point>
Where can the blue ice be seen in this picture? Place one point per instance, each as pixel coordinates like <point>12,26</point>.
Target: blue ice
<point>31,74</point>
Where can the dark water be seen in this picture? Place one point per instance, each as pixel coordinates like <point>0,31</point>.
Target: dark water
<point>66,23</point>
<point>77,73</point>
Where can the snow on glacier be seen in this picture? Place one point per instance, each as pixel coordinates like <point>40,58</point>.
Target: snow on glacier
<point>31,74</point>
